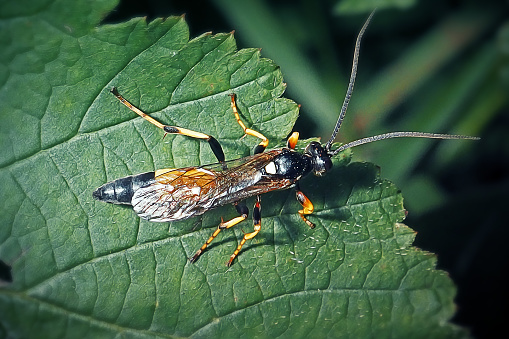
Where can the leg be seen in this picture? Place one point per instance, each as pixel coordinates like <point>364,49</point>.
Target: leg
<point>214,144</point>
<point>307,207</point>
<point>242,210</point>
<point>264,143</point>
<point>257,223</point>
<point>292,140</point>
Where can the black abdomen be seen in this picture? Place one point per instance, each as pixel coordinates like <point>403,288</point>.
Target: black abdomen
<point>121,191</point>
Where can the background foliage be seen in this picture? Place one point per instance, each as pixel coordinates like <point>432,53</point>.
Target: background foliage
<point>436,66</point>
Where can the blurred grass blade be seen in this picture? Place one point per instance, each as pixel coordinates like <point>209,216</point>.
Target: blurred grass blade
<point>490,99</point>
<point>356,6</point>
<point>437,110</point>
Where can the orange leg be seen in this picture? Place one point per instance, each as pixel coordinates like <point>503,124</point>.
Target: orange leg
<point>292,140</point>
<point>307,207</point>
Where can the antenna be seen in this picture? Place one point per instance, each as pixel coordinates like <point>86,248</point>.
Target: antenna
<point>399,135</point>
<point>349,91</point>
<point>380,136</point>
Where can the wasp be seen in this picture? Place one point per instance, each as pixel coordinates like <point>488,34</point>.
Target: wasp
<point>174,194</point>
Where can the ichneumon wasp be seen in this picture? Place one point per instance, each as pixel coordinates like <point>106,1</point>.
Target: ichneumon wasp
<point>173,194</point>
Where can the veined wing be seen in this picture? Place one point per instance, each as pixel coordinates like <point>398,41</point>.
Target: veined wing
<point>185,192</point>
<point>176,194</point>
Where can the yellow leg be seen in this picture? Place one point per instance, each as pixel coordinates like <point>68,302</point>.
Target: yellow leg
<point>221,226</point>
<point>257,224</point>
<point>214,144</point>
<point>264,143</point>
<point>247,236</point>
<point>136,109</point>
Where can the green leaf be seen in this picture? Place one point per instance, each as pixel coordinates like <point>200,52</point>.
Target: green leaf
<point>81,267</point>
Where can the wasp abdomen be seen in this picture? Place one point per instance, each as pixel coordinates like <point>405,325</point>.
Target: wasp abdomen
<point>121,191</point>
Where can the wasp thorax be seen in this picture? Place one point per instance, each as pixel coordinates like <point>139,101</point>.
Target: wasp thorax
<point>319,158</point>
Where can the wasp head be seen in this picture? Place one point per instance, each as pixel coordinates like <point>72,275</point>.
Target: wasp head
<point>320,160</point>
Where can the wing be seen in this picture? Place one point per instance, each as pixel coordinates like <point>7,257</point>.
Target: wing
<point>176,194</point>
<point>181,193</point>
<point>233,165</point>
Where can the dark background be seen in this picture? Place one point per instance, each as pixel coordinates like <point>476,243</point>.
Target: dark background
<point>456,192</point>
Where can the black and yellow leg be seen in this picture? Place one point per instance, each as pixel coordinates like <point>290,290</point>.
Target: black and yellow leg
<point>307,207</point>
<point>214,144</point>
<point>242,210</point>
<point>264,143</point>
<point>257,224</point>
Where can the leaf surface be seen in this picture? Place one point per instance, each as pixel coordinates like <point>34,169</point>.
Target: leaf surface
<point>84,268</point>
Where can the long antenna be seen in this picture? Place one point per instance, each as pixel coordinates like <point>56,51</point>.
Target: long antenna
<point>380,136</point>
<point>399,135</point>
<point>351,84</point>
